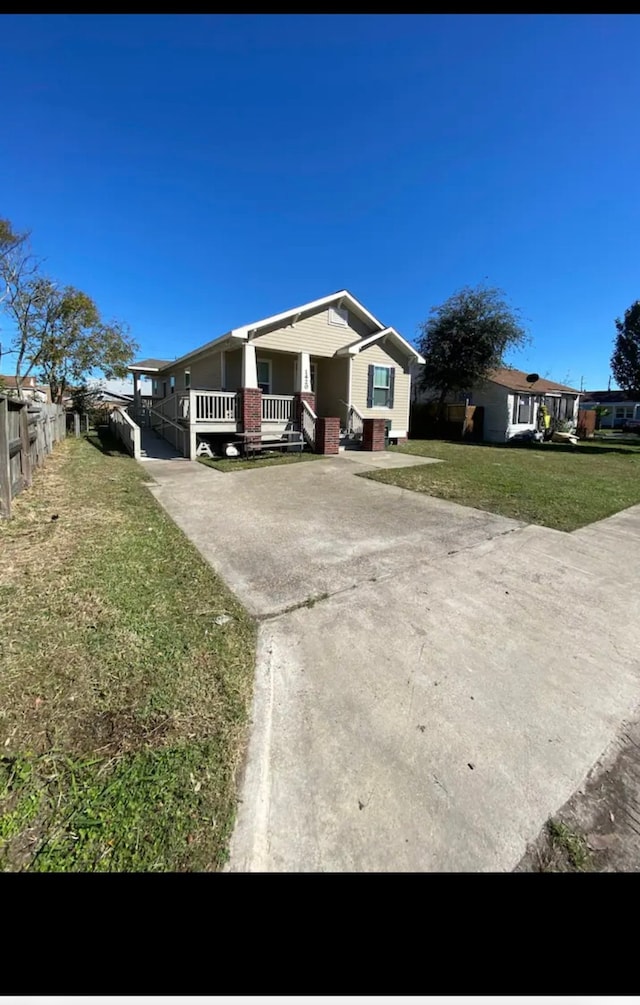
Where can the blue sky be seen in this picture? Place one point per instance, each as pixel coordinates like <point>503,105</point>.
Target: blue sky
<point>196,173</point>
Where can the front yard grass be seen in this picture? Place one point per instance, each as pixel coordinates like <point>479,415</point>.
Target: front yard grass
<point>267,460</point>
<point>551,484</point>
<point>123,704</point>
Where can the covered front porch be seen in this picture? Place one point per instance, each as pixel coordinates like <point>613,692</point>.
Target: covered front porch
<point>290,397</point>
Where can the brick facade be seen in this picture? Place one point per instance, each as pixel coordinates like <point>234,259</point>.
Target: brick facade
<point>250,411</point>
<point>373,434</point>
<point>298,398</point>
<point>327,435</point>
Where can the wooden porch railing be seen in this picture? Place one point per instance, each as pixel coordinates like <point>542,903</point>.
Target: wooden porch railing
<point>309,424</point>
<point>277,407</point>
<point>355,420</point>
<point>209,406</point>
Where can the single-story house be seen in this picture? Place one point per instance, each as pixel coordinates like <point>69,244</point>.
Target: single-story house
<point>31,390</point>
<point>622,407</point>
<point>511,402</point>
<point>329,359</point>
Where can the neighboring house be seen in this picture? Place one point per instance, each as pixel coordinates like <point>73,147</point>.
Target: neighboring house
<point>327,359</point>
<point>622,407</point>
<point>511,403</point>
<point>31,390</point>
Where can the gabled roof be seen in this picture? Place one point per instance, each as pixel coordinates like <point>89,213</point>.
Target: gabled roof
<point>387,333</point>
<point>341,297</point>
<point>610,397</point>
<point>516,380</point>
<point>28,383</point>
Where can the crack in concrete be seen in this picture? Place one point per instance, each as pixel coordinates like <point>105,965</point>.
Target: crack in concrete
<point>313,601</point>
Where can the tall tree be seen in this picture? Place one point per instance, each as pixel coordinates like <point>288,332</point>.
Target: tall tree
<point>466,337</point>
<point>60,335</point>
<point>625,362</point>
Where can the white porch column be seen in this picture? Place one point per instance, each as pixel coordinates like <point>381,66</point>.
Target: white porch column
<point>303,373</point>
<point>136,401</point>
<point>249,367</point>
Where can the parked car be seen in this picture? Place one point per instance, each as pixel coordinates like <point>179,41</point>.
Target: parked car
<point>631,426</point>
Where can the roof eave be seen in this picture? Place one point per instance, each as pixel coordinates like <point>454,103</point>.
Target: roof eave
<point>387,333</point>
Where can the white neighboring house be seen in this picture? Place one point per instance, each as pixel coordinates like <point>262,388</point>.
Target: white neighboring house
<point>510,402</point>
<point>123,389</point>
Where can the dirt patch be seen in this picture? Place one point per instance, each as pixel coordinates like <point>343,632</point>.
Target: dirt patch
<point>119,732</point>
<point>598,829</point>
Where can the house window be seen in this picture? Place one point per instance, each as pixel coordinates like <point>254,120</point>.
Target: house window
<point>380,389</point>
<point>187,379</point>
<point>264,375</point>
<point>339,316</point>
<point>154,388</point>
<point>624,411</point>
<point>164,389</point>
<point>522,409</point>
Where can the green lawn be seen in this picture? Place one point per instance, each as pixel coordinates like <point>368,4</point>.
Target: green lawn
<point>228,464</point>
<point>123,705</point>
<point>550,484</point>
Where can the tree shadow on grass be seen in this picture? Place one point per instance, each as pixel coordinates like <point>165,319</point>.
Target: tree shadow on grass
<point>106,442</point>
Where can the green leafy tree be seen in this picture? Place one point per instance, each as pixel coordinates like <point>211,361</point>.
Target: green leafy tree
<point>60,335</point>
<point>601,413</point>
<point>466,337</point>
<point>625,362</point>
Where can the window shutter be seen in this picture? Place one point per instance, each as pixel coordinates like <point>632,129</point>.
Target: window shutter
<point>392,380</point>
<point>370,387</point>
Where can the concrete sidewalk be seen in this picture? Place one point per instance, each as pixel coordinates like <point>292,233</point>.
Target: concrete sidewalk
<point>446,697</point>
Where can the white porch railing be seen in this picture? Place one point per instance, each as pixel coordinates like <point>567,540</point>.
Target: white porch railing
<point>277,407</point>
<point>166,408</point>
<point>309,424</point>
<point>355,420</point>
<point>127,431</point>
<point>209,406</point>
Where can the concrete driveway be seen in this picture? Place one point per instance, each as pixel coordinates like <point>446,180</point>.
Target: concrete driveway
<point>450,689</point>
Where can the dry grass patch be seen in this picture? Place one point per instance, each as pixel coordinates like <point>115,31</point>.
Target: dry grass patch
<point>122,714</point>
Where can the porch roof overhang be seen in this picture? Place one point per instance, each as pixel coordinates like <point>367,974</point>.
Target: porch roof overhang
<point>148,365</point>
<point>387,334</point>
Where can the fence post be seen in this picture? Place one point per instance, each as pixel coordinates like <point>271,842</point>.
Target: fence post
<point>5,471</point>
<point>25,451</point>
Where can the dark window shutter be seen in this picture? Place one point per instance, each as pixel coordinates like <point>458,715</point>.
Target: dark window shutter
<point>370,388</point>
<point>392,380</point>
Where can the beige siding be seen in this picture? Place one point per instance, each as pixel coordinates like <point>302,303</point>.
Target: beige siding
<point>205,372</point>
<point>282,376</point>
<point>313,335</point>
<point>332,387</point>
<point>233,367</point>
<point>378,355</point>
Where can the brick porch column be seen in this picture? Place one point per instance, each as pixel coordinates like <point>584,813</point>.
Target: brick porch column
<point>250,411</point>
<point>373,434</point>
<point>298,398</point>
<point>327,435</point>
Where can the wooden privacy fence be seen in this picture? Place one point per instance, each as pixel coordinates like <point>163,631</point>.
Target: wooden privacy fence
<point>457,422</point>
<point>586,424</point>
<point>27,434</point>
